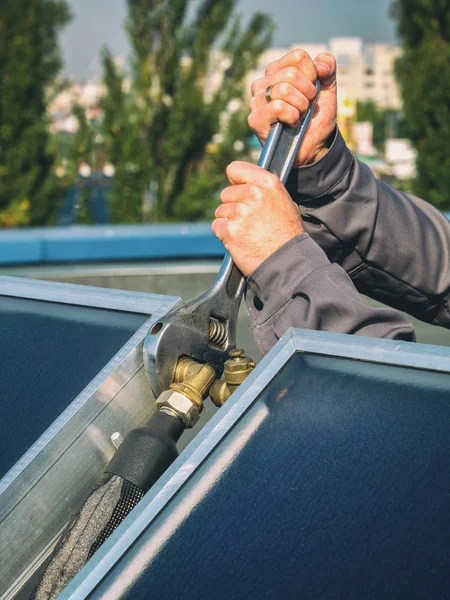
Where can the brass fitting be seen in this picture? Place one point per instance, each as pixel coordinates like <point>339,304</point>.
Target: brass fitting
<point>220,392</point>
<point>197,381</point>
<point>185,396</point>
<point>186,368</point>
<point>236,369</point>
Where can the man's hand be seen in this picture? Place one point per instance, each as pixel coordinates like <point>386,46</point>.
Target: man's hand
<point>257,216</point>
<point>292,79</point>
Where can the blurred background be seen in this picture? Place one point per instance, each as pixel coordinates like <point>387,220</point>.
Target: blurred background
<point>121,113</point>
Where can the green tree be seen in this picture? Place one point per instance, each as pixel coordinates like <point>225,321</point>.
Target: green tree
<point>163,128</point>
<point>29,62</point>
<point>82,149</point>
<point>82,144</point>
<point>386,122</point>
<point>368,111</point>
<point>424,75</point>
<point>124,131</point>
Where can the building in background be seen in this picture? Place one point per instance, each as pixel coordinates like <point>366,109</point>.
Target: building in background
<point>380,84</point>
<point>401,158</point>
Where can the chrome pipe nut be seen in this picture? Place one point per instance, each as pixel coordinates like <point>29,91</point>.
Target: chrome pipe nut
<point>181,405</point>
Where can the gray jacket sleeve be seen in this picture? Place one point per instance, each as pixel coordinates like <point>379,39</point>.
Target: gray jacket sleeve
<point>394,246</point>
<point>298,287</point>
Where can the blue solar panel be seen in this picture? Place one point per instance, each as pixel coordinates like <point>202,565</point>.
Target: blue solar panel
<point>49,352</point>
<point>332,482</point>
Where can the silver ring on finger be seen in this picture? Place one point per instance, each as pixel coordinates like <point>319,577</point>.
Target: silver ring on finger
<point>267,93</point>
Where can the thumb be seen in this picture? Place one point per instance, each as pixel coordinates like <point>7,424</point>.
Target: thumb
<point>326,69</point>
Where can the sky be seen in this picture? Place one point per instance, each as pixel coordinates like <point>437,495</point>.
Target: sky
<point>100,22</point>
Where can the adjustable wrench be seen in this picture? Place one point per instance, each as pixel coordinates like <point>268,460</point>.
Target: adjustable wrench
<point>205,328</point>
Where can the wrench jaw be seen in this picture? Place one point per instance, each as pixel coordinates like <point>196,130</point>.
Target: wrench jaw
<point>204,330</point>
<point>159,365</point>
<point>186,332</point>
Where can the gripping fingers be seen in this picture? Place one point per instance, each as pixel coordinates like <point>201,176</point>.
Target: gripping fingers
<point>233,193</point>
<point>225,211</point>
<point>297,58</point>
<point>228,231</point>
<point>281,91</point>
<point>219,228</point>
<point>291,76</point>
<point>278,110</point>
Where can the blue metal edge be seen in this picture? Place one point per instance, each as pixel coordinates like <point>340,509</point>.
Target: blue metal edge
<point>87,243</point>
<point>389,352</point>
<point>85,295</point>
<point>105,243</point>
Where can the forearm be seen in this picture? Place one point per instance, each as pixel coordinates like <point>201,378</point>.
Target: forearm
<point>395,247</point>
<point>298,287</point>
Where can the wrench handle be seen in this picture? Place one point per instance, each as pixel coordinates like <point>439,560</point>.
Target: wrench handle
<point>283,143</point>
<point>277,157</point>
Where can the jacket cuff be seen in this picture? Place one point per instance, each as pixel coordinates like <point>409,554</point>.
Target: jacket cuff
<point>276,280</point>
<point>322,176</point>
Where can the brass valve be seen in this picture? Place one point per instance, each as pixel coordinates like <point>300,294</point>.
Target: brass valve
<point>236,370</point>
<point>184,398</point>
<point>194,380</point>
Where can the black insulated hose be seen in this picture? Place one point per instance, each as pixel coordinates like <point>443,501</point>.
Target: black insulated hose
<point>141,459</point>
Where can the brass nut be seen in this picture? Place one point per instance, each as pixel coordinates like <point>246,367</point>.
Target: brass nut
<point>181,405</point>
<point>238,367</point>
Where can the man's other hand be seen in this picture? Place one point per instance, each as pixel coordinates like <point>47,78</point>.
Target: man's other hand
<point>257,216</point>
<point>292,79</point>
